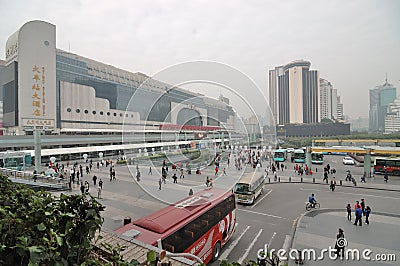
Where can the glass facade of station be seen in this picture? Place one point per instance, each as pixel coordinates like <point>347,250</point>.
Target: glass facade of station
<point>152,105</point>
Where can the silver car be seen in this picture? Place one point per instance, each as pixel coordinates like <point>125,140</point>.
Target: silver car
<point>348,160</point>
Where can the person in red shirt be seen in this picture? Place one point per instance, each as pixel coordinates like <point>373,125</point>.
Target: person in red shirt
<point>357,205</point>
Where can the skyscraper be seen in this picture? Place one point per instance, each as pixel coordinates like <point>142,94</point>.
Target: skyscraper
<point>273,90</point>
<point>294,93</point>
<point>330,105</point>
<point>379,99</point>
<point>392,120</point>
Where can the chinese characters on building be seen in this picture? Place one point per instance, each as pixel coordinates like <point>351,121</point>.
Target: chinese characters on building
<point>38,92</point>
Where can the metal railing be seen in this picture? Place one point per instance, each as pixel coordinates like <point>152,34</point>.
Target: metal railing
<point>35,179</point>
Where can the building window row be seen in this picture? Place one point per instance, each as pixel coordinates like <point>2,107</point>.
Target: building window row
<point>69,110</point>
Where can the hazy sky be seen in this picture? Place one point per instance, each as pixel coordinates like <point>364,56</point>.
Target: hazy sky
<point>352,43</point>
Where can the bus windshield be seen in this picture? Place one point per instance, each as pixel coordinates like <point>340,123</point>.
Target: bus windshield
<point>242,189</point>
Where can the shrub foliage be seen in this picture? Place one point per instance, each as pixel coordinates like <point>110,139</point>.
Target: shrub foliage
<point>37,228</point>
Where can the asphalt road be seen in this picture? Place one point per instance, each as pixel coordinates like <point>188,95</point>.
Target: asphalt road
<point>274,212</point>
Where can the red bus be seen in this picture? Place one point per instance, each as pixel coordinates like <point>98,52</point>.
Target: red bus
<point>200,224</point>
<point>389,165</point>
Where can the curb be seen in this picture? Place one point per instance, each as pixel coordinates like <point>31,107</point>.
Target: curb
<point>345,185</point>
<point>313,213</point>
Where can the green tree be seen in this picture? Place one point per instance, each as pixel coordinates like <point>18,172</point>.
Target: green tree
<point>39,229</point>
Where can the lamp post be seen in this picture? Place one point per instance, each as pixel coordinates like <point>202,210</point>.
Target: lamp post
<point>38,150</point>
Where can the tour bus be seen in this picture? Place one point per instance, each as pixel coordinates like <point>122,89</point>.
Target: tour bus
<point>249,187</point>
<point>299,156</point>
<point>280,155</point>
<point>389,165</point>
<point>317,157</point>
<point>200,225</point>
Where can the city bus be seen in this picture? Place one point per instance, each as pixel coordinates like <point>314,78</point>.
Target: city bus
<point>389,165</point>
<point>249,187</point>
<point>200,225</point>
<point>299,156</point>
<point>280,155</point>
<point>317,157</point>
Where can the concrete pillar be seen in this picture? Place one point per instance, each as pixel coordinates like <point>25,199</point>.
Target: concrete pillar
<point>38,150</point>
<point>222,139</point>
<point>308,157</point>
<point>367,162</point>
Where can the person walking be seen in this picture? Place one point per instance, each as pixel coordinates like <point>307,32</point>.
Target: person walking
<point>333,185</point>
<point>386,177</point>
<point>363,206</point>
<point>182,173</point>
<point>113,174</point>
<point>94,180</point>
<point>224,172</point>
<point>87,170</point>
<point>340,243</point>
<point>211,183</point>
<point>175,178</point>
<point>101,183</point>
<point>367,213</point>
<point>207,181</point>
<point>358,214</point>
<point>325,177</point>
<point>87,186</point>
<point>82,188</point>
<point>190,192</point>
<point>150,172</point>
<point>138,175</point>
<point>363,178</point>
<point>159,183</point>
<point>99,192</point>
<point>348,209</point>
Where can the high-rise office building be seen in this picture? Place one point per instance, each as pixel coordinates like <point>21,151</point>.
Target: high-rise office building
<point>392,119</point>
<point>330,104</point>
<point>273,90</point>
<point>339,109</point>
<point>294,93</point>
<point>379,99</point>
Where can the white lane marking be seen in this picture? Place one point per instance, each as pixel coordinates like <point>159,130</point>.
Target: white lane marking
<point>232,245</point>
<point>269,192</point>
<point>260,213</point>
<point>347,193</point>
<point>249,248</point>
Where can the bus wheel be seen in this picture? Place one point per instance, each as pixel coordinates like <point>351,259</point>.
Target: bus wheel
<point>216,251</point>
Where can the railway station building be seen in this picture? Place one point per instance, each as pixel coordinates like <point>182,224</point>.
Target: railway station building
<point>64,93</point>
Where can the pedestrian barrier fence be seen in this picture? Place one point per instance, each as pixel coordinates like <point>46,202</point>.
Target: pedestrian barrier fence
<point>35,179</point>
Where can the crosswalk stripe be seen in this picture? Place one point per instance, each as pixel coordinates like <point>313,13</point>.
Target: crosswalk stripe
<point>233,244</point>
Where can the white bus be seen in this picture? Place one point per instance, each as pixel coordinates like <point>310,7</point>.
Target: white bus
<point>249,187</point>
